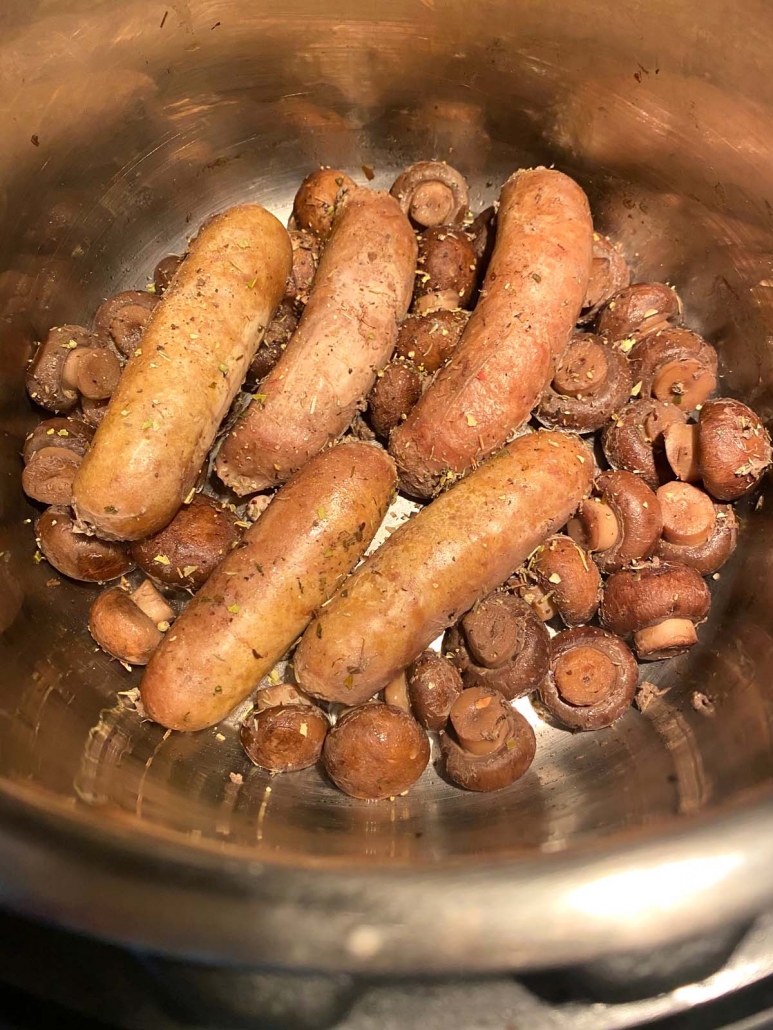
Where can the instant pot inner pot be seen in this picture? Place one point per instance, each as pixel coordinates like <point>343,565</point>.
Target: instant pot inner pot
<point>126,124</point>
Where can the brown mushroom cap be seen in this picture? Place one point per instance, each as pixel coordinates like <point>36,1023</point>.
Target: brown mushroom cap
<point>49,475</point>
<point>711,555</point>
<point>316,200</point>
<point>622,525</point>
<point>284,738</point>
<point>68,433</point>
<point>306,253</point>
<point>658,605</point>
<point>483,231</point>
<point>676,366</point>
<point>433,685</point>
<point>609,275</point>
<point>122,629</point>
<point>593,677</point>
<point>54,375</point>
<point>92,412</point>
<point>79,556</point>
<point>592,380</point>
<point>506,634</point>
<point>634,440</point>
<point>185,552</point>
<point>446,272</point>
<point>569,575</point>
<point>502,742</point>
<point>165,271</point>
<point>394,394</point>
<point>375,751</point>
<point>280,694</point>
<point>641,308</point>
<point>430,340</point>
<point>733,448</point>
<point>272,346</point>
<point>124,317</point>
<point>432,193</point>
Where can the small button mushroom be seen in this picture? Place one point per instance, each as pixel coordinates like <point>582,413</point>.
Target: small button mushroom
<point>609,275</point>
<point>488,744</point>
<point>130,625</point>
<point>185,552</point>
<point>696,531</point>
<point>729,449</point>
<point>284,738</point>
<point>634,441</point>
<point>72,362</point>
<point>642,308</point>
<point>280,694</point>
<point>592,380</point>
<point>658,605</point>
<point>316,200</point>
<point>396,693</point>
<point>272,346</point>
<point>430,340</point>
<point>375,751</point>
<point>593,677</point>
<point>165,271</point>
<point>621,525</point>
<point>394,395</point>
<point>501,644</point>
<point>124,317</point>
<point>306,252</point>
<point>52,455</point>
<point>432,193</point>
<point>434,684</point>
<point>446,272</point>
<point>569,576</point>
<point>675,366</point>
<point>77,555</point>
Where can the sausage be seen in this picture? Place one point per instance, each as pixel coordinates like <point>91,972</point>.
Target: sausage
<point>182,378</point>
<point>531,298</point>
<point>439,563</point>
<point>263,594</point>
<point>348,331</point>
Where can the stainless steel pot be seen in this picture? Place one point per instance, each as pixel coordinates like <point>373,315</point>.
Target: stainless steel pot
<point>123,125</point>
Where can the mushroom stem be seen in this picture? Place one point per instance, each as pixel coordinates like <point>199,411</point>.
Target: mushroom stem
<point>585,370</point>
<point>584,676</point>
<point>478,721</point>
<point>671,637</point>
<point>152,602</point>
<point>689,517</point>
<point>595,526</point>
<point>682,451</point>
<point>686,383</point>
<point>396,693</point>
<point>432,203</point>
<point>541,601</point>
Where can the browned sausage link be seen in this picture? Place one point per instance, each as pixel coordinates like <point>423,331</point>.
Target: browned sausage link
<point>180,382</point>
<point>263,594</point>
<point>529,303</point>
<point>438,564</point>
<point>347,333</point>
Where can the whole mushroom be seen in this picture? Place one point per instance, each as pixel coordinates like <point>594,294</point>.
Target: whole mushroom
<point>659,605</point>
<point>52,455</point>
<point>185,552</point>
<point>71,363</point>
<point>592,680</point>
<point>592,380</point>
<point>620,524</point>
<point>316,200</point>
<point>434,684</point>
<point>634,440</point>
<point>641,308</point>
<point>500,643</point>
<point>568,578</point>
<point>124,317</point>
<point>130,625</point>
<point>432,193</point>
<point>76,555</point>
<point>430,340</point>
<point>394,395</point>
<point>696,531</point>
<point>676,366</point>
<point>609,275</point>
<point>375,751</point>
<point>284,738</point>
<point>446,273</point>
<point>488,745</point>
<point>729,449</point>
